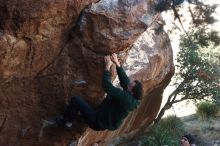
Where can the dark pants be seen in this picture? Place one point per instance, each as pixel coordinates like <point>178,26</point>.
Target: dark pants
<point>77,104</point>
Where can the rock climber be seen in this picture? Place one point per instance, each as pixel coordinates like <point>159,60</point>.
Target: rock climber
<point>114,108</point>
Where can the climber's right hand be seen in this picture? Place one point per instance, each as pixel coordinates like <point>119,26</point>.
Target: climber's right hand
<point>114,59</point>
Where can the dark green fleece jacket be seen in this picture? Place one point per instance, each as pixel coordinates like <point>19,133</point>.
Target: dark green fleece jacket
<point>118,103</point>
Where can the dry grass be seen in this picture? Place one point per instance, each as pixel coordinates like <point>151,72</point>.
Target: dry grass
<point>206,132</point>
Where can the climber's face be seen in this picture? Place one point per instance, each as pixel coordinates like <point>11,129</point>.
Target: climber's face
<point>184,142</point>
<point>131,86</point>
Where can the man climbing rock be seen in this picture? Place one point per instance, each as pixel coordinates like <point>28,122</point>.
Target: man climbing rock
<point>114,108</point>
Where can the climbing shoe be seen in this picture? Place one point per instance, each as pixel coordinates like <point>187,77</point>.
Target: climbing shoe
<point>60,121</point>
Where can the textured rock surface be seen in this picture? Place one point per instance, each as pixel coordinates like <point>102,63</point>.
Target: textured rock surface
<point>52,50</point>
<point>150,62</point>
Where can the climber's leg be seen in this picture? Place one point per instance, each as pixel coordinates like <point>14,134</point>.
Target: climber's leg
<point>77,104</point>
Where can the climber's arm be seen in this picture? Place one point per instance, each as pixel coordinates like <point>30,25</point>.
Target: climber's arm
<point>124,80</point>
<point>111,90</point>
<point>106,81</point>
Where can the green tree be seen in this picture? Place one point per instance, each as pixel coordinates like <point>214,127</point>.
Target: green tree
<point>198,60</point>
<point>197,76</point>
<point>200,12</point>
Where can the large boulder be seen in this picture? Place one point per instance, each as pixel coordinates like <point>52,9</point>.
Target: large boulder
<point>52,50</point>
<point>149,60</point>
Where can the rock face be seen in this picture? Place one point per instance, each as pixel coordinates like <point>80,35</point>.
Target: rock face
<point>150,62</point>
<point>52,50</point>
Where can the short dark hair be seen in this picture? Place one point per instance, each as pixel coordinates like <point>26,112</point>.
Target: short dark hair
<point>189,137</point>
<point>138,90</point>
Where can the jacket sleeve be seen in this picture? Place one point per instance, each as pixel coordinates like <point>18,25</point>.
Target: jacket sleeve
<point>106,82</point>
<point>123,78</point>
<point>111,90</point>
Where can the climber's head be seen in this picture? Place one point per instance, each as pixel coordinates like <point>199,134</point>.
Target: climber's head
<point>186,140</point>
<point>136,89</point>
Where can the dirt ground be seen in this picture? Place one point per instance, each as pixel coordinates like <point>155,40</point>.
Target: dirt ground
<point>205,132</point>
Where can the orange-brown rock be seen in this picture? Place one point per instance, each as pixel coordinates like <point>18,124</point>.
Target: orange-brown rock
<point>52,50</point>
<point>151,58</point>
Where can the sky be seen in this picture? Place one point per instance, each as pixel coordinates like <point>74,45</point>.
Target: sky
<point>187,107</point>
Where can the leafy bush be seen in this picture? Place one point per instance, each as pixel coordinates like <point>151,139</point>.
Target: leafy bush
<point>206,110</point>
<point>166,132</point>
